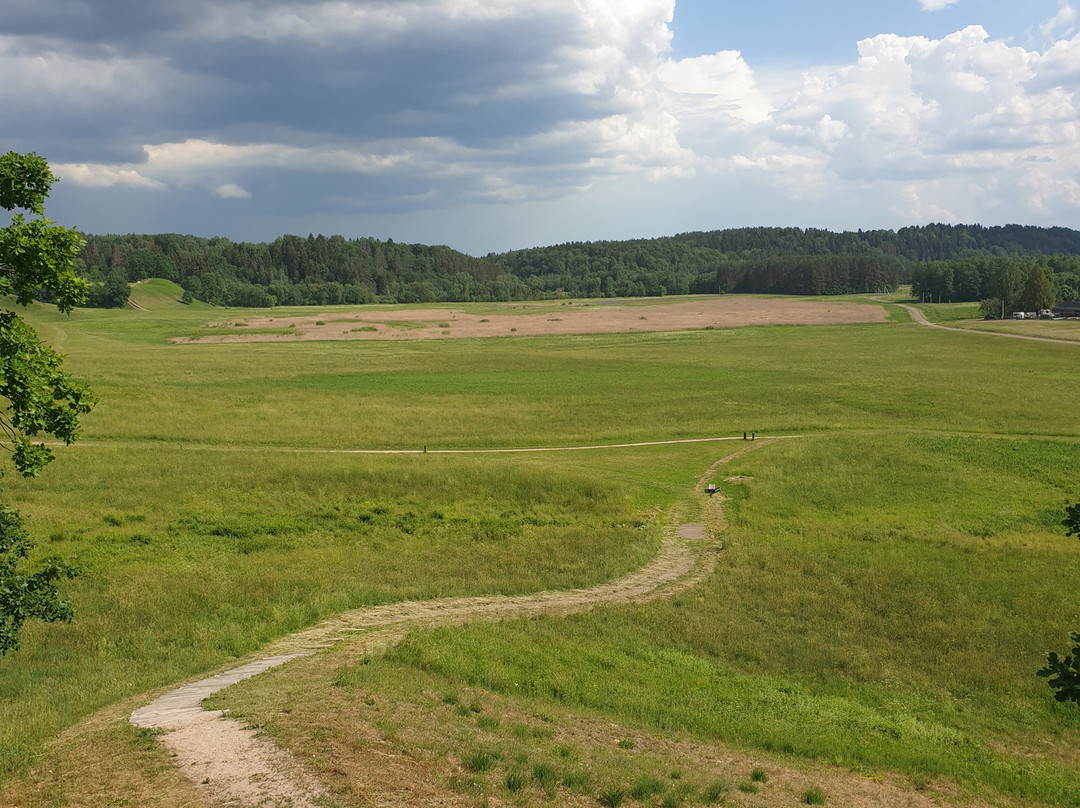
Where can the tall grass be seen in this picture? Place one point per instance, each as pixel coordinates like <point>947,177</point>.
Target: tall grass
<point>190,558</point>
<point>882,601</point>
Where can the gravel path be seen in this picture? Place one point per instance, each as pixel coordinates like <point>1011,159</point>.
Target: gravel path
<point>233,767</point>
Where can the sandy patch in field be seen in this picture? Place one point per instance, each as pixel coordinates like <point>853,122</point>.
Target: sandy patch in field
<point>595,317</point>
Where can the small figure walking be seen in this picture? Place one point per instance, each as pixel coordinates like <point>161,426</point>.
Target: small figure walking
<point>744,436</point>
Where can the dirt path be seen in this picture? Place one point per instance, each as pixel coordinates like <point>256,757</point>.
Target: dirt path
<point>213,447</point>
<point>230,765</point>
<point>920,319</point>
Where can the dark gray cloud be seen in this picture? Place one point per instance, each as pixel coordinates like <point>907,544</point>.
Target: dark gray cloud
<point>384,107</point>
<point>126,74</point>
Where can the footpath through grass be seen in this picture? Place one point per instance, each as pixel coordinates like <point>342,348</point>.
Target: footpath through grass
<point>191,558</point>
<point>893,593</point>
<point>881,601</point>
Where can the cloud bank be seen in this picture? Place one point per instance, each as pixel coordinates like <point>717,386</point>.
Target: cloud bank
<point>372,105</point>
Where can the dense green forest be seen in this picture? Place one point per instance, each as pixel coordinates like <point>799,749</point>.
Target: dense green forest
<point>950,262</point>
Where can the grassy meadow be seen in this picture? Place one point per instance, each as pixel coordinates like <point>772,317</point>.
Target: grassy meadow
<point>881,602</point>
<point>890,581</point>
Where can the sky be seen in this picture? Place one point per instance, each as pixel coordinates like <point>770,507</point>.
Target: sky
<point>491,125</point>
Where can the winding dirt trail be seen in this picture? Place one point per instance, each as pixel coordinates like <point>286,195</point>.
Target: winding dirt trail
<point>230,765</point>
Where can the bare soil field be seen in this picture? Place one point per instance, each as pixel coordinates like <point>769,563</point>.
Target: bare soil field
<point>593,317</point>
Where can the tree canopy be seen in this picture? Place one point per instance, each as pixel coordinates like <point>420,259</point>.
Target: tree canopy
<point>1063,673</point>
<point>42,400</point>
<point>947,262</point>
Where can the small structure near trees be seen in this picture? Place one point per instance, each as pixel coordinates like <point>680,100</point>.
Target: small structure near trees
<point>1068,308</point>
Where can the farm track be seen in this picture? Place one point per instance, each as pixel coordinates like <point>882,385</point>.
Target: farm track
<point>230,765</point>
<point>90,444</point>
<point>920,319</point>
<point>191,446</point>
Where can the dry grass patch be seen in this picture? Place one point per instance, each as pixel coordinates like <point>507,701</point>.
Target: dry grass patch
<point>1051,329</point>
<point>103,761</point>
<point>667,314</point>
<point>375,732</point>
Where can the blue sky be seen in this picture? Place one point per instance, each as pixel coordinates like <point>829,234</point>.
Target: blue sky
<point>494,124</point>
<point>808,33</point>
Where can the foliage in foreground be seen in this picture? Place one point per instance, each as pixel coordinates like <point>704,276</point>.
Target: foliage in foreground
<point>1063,675</point>
<point>26,596</point>
<point>41,398</point>
<point>1072,520</point>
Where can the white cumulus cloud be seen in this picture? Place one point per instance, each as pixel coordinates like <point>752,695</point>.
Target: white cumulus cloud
<point>1062,24</point>
<point>419,104</point>
<point>104,176</point>
<point>722,82</point>
<point>231,190</point>
<point>953,126</point>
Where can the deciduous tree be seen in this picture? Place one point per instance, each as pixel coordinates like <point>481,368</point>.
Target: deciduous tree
<point>42,400</point>
<point>1072,520</point>
<point>1063,674</point>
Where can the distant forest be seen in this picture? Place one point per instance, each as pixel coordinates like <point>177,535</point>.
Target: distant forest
<point>945,262</point>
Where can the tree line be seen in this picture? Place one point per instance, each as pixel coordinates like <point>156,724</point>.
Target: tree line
<point>1003,283</point>
<point>945,260</point>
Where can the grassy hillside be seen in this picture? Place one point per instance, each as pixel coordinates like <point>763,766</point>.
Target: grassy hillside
<point>158,294</point>
<point>890,585</point>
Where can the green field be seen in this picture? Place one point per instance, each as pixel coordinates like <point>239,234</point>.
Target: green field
<point>891,580</point>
